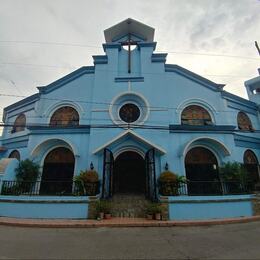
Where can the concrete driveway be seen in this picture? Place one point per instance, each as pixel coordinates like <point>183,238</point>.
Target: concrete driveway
<point>233,241</point>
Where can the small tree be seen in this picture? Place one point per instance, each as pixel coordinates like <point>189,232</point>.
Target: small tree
<point>235,176</point>
<point>27,170</point>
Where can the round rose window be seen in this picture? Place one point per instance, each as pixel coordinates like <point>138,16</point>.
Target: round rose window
<point>129,113</point>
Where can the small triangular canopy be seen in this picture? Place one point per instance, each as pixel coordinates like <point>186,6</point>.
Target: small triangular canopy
<point>129,26</point>
<point>134,136</point>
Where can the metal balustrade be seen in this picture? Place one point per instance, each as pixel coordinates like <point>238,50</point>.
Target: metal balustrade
<point>205,188</point>
<point>50,188</point>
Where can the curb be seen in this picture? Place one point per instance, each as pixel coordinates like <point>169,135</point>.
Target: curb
<point>118,222</point>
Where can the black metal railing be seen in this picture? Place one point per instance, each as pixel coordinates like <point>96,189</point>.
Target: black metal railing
<point>205,188</point>
<point>50,188</point>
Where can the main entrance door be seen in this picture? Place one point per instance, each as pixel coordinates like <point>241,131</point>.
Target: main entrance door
<point>129,173</point>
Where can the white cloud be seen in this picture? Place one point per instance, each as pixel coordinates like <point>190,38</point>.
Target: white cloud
<point>225,27</point>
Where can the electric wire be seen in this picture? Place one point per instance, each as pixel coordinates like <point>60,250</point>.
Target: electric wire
<point>99,47</point>
<point>109,103</point>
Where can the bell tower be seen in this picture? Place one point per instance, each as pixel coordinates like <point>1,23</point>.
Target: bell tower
<point>128,43</point>
<point>253,88</point>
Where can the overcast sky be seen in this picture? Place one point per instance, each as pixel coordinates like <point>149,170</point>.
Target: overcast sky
<point>31,30</point>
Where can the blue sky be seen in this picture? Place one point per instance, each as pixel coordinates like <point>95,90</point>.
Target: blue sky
<point>41,41</point>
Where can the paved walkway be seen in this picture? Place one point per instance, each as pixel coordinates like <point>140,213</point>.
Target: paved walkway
<point>234,241</point>
<point>119,222</point>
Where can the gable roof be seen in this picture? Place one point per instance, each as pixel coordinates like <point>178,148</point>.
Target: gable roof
<point>129,26</point>
<point>193,76</point>
<point>66,79</point>
<point>134,136</point>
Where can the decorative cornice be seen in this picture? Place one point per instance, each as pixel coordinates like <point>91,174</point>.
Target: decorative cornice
<point>201,128</point>
<point>36,130</point>
<point>15,139</point>
<point>193,76</point>
<point>147,44</point>
<point>239,100</point>
<point>68,78</point>
<point>111,46</point>
<point>24,102</point>
<point>100,59</point>
<point>159,57</point>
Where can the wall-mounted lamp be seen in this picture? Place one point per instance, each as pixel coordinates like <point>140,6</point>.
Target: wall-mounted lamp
<point>166,167</point>
<point>91,166</point>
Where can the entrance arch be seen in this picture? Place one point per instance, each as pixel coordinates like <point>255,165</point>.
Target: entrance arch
<point>129,173</point>
<point>201,167</point>
<point>58,170</point>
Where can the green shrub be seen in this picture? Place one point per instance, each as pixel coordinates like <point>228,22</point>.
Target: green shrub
<point>103,206</point>
<point>153,208</point>
<point>233,171</point>
<point>87,176</point>
<point>168,176</point>
<point>87,183</point>
<point>27,170</point>
<point>169,183</point>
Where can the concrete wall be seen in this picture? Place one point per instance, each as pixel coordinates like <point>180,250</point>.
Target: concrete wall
<point>210,207</point>
<point>44,207</point>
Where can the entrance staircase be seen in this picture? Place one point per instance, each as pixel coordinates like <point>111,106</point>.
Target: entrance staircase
<point>129,205</point>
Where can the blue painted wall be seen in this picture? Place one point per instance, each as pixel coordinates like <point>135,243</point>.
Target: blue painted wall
<point>209,207</point>
<point>167,89</point>
<point>44,207</point>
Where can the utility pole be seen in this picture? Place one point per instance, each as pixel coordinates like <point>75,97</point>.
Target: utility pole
<point>257,47</point>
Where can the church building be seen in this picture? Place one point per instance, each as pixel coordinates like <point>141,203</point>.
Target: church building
<point>130,116</point>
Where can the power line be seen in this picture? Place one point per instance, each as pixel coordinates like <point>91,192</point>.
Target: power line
<point>105,103</point>
<point>99,47</point>
<point>74,67</point>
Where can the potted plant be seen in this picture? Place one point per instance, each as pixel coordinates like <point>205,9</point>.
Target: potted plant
<point>157,211</point>
<point>107,210</point>
<point>101,207</point>
<point>149,211</point>
<point>154,210</point>
<point>169,183</point>
<point>87,182</point>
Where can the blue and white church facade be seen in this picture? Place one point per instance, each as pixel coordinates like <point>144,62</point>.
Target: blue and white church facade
<point>129,115</point>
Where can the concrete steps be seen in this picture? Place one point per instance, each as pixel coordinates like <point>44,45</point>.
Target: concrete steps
<point>129,205</point>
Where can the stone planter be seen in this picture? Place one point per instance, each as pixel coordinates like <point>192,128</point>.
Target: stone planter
<point>101,215</point>
<point>149,216</point>
<point>158,216</point>
<point>108,216</point>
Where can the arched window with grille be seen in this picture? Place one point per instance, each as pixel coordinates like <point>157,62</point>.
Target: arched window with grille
<point>244,122</point>
<point>195,115</point>
<point>65,116</point>
<point>251,166</point>
<point>15,154</point>
<point>19,124</point>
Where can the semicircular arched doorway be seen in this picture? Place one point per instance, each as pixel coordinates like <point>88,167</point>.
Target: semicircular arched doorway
<point>201,167</point>
<point>58,170</point>
<point>129,173</point>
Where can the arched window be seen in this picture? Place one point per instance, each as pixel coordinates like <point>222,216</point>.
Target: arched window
<point>15,154</point>
<point>19,124</point>
<point>244,122</point>
<point>65,116</point>
<point>251,166</point>
<point>195,115</point>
